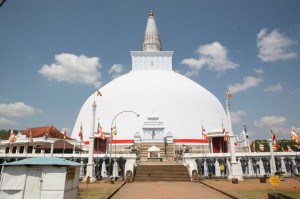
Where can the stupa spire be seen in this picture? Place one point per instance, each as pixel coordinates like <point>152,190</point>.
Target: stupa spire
<point>151,41</point>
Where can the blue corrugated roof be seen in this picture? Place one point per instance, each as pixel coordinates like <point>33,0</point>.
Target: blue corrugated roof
<point>43,161</point>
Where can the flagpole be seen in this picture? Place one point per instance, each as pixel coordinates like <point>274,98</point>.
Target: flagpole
<point>234,165</point>
<point>90,164</point>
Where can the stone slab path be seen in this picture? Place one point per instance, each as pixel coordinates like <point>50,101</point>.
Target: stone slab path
<point>167,190</point>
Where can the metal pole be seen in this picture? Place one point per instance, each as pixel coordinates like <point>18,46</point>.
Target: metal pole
<point>110,143</point>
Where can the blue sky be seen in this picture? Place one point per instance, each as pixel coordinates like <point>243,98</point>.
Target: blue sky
<point>251,47</point>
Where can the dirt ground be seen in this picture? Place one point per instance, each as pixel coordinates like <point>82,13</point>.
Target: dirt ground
<point>247,189</point>
<point>252,188</point>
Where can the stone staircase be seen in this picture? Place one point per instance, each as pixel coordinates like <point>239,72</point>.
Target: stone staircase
<point>161,172</point>
<point>167,152</point>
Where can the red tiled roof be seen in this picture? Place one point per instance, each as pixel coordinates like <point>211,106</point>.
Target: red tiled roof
<point>41,132</point>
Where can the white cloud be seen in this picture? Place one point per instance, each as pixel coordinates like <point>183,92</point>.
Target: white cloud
<point>116,70</point>
<point>274,88</point>
<point>274,46</point>
<point>73,69</point>
<point>18,109</point>
<point>213,55</point>
<point>259,71</point>
<point>271,121</point>
<point>248,82</point>
<point>4,122</point>
<point>236,116</point>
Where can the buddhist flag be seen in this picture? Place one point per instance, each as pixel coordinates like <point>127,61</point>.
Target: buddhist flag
<point>80,133</point>
<point>228,94</point>
<point>225,135</point>
<point>65,133</point>
<point>276,145</point>
<point>204,134</point>
<point>30,137</point>
<point>100,132</point>
<point>245,131</point>
<point>99,93</point>
<point>12,137</point>
<point>273,136</point>
<point>113,132</point>
<point>294,136</point>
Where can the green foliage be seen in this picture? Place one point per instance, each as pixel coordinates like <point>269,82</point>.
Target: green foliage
<point>4,134</point>
<point>283,145</point>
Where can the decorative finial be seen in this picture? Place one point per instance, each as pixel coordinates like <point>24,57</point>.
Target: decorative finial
<point>151,13</point>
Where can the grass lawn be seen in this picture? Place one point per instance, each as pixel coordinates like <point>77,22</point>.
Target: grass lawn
<point>98,189</point>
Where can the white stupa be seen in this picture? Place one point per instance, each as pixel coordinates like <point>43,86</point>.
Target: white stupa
<point>152,86</point>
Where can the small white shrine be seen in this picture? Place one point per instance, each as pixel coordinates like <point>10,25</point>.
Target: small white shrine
<point>153,152</point>
<point>153,129</point>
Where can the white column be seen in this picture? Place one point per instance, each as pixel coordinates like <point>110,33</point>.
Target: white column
<point>272,159</point>
<point>250,167</point>
<point>52,146</point>
<point>234,164</point>
<point>217,168</point>
<point>294,168</point>
<point>103,170</point>
<point>74,147</point>
<point>205,168</point>
<point>90,164</point>
<point>282,164</point>
<point>262,171</point>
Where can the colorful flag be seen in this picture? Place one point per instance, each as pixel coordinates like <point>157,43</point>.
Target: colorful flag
<point>228,94</point>
<point>113,132</point>
<point>65,133</point>
<point>100,132</point>
<point>276,145</point>
<point>99,93</point>
<point>294,136</point>
<point>245,131</point>
<point>47,132</point>
<point>204,134</point>
<point>30,137</point>
<point>80,133</point>
<point>273,136</point>
<point>12,137</point>
<point>225,135</point>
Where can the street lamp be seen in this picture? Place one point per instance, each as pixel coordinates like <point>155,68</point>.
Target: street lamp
<point>110,143</point>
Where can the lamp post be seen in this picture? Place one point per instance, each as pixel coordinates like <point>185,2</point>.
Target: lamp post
<point>110,143</point>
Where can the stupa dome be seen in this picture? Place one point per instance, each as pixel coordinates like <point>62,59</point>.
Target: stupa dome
<point>182,104</point>
<point>152,86</point>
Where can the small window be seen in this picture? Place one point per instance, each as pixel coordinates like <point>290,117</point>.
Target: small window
<point>14,149</point>
<point>7,150</point>
<point>37,150</point>
<point>29,149</point>
<point>21,150</point>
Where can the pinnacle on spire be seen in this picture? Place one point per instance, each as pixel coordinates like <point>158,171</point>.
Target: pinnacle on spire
<point>151,41</point>
<point>151,13</point>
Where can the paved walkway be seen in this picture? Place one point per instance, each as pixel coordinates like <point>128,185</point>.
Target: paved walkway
<point>167,190</point>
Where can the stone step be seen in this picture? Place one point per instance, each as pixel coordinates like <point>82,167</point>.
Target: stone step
<point>162,173</point>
